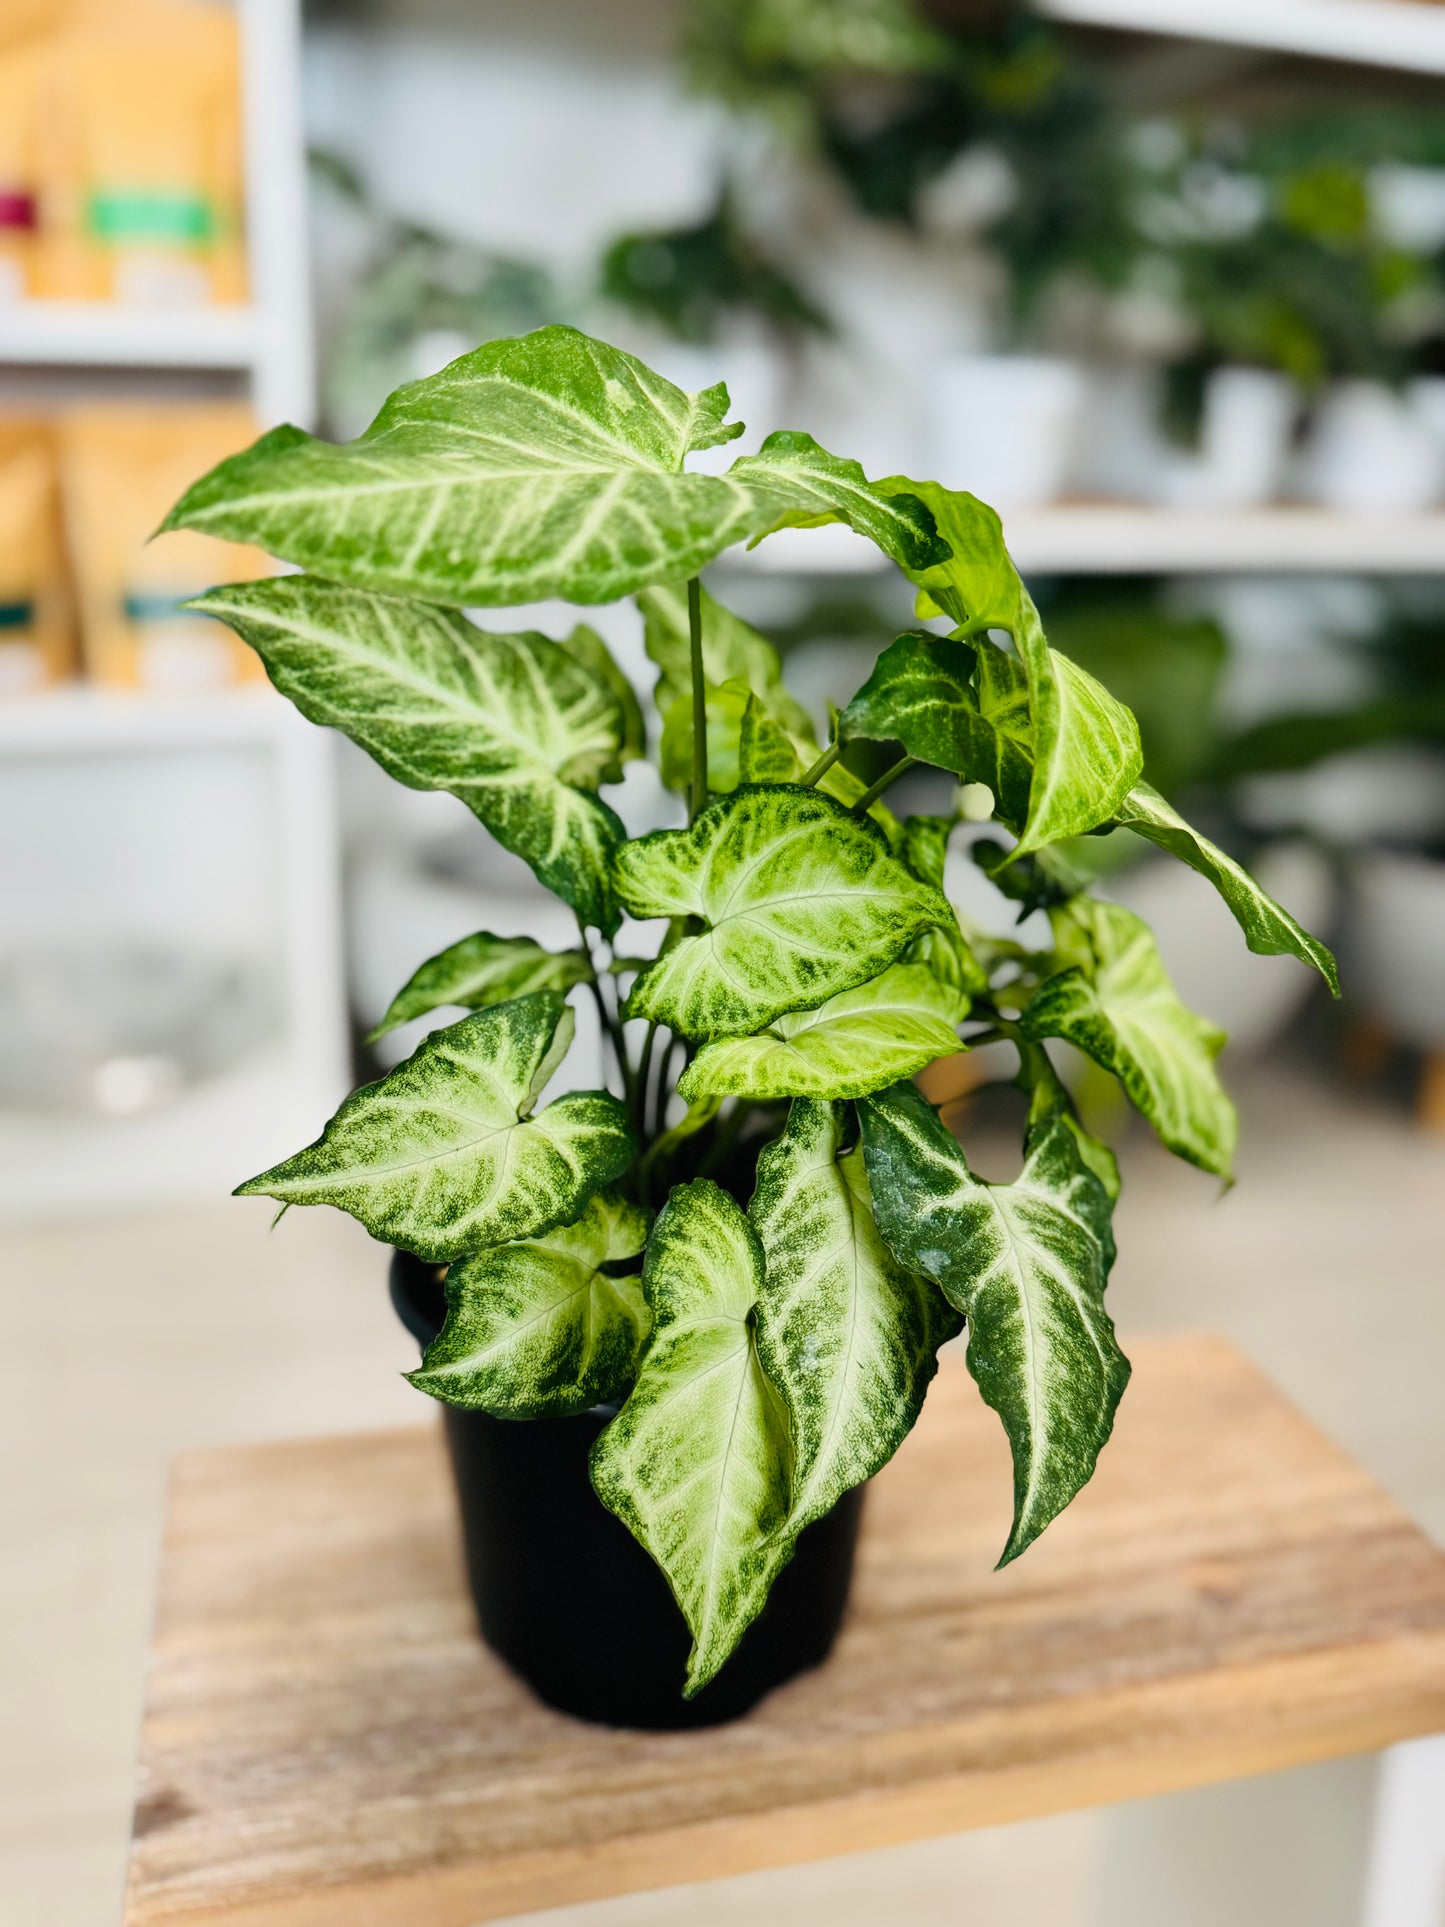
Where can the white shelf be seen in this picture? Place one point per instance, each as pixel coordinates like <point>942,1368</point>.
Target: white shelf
<point>1108,538</point>
<point>1403,34</point>
<point>78,717</point>
<point>102,334</point>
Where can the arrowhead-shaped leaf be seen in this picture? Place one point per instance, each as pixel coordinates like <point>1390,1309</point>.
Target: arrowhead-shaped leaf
<point>537,1328</point>
<point>857,1042</point>
<point>697,1464</point>
<point>961,708</point>
<point>1026,1264</point>
<point>482,970</point>
<point>1087,754</point>
<point>846,1333</point>
<point>441,1157</point>
<point>510,724</point>
<point>584,645</point>
<point>542,465</point>
<point>801,899</point>
<point>732,652</point>
<point>1119,1007</point>
<point>1268,930</point>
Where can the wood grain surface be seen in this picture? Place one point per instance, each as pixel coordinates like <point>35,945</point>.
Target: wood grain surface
<point>327,1744</point>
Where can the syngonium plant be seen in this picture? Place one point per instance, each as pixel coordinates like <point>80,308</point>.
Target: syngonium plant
<point>768,1346</point>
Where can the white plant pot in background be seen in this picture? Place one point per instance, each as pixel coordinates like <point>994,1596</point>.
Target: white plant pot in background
<point>1397,943</point>
<point>1371,453</point>
<point>1120,453</point>
<point>1005,427</point>
<point>1244,442</point>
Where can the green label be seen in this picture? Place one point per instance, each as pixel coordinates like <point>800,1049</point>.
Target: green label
<point>16,615</point>
<point>178,219</point>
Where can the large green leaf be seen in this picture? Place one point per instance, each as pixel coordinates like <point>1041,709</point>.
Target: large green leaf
<point>1026,1264</point>
<point>847,1334</point>
<point>442,1157</point>
<point>732,652</point>
<point>960,708</point>
<point>482,970</point>
<point>1118,1005</point>
<point>537,1328</point>
<point>1268,930</point>
<point>801,899</point>
<point>510,724</point>
<point>858,1041</point>
<point>698,1462</point>
<point>542,465</point>
<point>1087,754</point>
<point>584,645</point>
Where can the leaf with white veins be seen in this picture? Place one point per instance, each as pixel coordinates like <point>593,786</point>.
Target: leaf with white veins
<point>1086,748</point>
<point>441,1156</point>
<point>482,970</point>
<point>510,724</point>
<point>537,1328</point>
<point>1118,1006</point>
<point>1026,1264</point>
<point>801,900</point>
<point>697,1464</point>
<point>846,1333</point>
<point>584,645</point>
<point>857,1042</point>
<point>1268,930</point>
<point>541,465</point>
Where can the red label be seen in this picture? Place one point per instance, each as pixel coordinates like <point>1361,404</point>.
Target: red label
<point>17,208</point>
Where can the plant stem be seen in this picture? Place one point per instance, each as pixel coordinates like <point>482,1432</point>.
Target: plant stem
<point>611,1027</point>
<point>820,769</point>
<point>640,1093</point>
<point>870,796</point>
<point>699,697</point>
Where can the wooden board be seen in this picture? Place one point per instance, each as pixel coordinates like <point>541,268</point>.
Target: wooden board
<point>327,1744</point>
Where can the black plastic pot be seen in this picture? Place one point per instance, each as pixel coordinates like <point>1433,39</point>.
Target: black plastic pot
<point>569,1599</point>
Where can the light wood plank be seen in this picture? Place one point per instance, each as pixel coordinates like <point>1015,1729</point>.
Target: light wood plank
<point>327,1744</point>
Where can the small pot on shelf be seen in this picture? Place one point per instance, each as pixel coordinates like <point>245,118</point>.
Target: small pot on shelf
<point>566,1596</point>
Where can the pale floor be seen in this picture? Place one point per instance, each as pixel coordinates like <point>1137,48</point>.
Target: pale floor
<point>126,1340</point>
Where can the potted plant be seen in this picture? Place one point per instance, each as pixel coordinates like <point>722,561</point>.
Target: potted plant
<point>722,1283</point>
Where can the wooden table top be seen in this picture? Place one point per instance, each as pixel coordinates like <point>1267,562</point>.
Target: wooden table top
<point>327,1744</point>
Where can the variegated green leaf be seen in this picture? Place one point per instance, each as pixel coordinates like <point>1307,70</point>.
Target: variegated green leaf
<point>1026,1264</point>
<point>800,900</point>
<point>961,708</point>
<point>1268,930</point>
<point>482,970</point>
<point>542,465</point>
<point>510,724</point>
<point>945,951</point>
<point>843,1330</point>
<point>537,1328</point>
<point>442,1157</point>
<point>858,1041</point>
<point>766,752</point>
<point>813,487</point>
<point>1086,749</point>
<point>732,652</point>
<point>1118,1006</point>
<point>584,645</point>
<point>698,1462</point>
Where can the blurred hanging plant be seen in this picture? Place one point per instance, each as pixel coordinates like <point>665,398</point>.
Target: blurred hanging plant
<point>1280,258</point>
<point>890,102</point>
<point>423,297</point>
<point>691,280</point>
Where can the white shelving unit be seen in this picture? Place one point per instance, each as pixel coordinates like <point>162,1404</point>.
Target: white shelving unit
<point>1408,35</point>
<point>1107,538</point>
<point>68,750</point>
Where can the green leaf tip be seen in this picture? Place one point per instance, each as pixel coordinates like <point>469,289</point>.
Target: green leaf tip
<point>443,1155</point>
